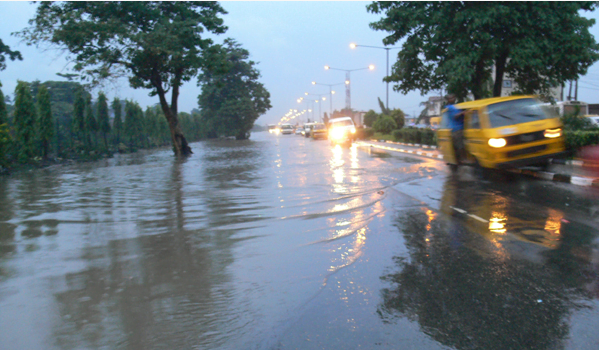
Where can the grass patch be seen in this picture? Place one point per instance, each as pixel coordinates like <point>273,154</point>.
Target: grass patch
<point>381,136</point>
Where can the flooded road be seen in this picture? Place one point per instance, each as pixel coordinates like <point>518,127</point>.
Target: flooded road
<point>282,242</point>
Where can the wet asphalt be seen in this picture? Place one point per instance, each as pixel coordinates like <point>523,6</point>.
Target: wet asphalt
<point>281,242</point>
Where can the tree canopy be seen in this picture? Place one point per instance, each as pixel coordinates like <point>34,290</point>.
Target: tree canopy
<point>232,99</point>
<point>158,45</point>
<point>457,44</point>
<point>6,51</point>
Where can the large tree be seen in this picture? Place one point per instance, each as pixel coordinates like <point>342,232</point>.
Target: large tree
<point>457,44</point>
<point>158,45</point>
<point>232,99</point>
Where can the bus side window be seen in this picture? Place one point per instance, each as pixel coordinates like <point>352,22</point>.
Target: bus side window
<point>444,124</point>
<point>474,122</point>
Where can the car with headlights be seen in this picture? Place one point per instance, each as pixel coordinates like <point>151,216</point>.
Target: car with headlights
<point>342,130</point>
<point>287,129</point>
<point>319,131</point>
<point>505,132</point>
<point>307,132</point>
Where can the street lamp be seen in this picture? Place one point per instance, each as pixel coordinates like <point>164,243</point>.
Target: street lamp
<point>310,110</point>
<point>316,101</point>
<point>331,92</point>
<point>347,82</point>
<point>353,46</point>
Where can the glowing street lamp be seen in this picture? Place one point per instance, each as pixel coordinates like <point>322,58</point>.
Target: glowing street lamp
<point>331,91</point>
<point>353,46</point>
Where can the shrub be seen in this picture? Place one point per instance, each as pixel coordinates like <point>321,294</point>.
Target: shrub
<point>575,122</point>
<point>364,134</point>
<point>370,117</point>
<point>577,139</point>
<point>413,135</point>
<point>384,124</point>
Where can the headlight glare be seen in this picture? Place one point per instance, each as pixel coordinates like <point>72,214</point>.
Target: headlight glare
<point>553,133</point>
<point>497,143</point>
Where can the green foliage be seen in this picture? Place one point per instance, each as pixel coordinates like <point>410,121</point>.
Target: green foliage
<point>398,116</point>
<point>579,138</point>
<point>6,51</point>
<point>414,135</point>
<point>103,120</point>
<point>384,110</point>
<point>370,118</point>
<point>117,123</point>
<point>78,125</point>
<point>385,124</point>
<point>382,137</point>
<point>134,125</point>
<point>576,122</point>
<point>364,134</point>
<point>456,44</point>
<point>24,121</point>
<point>158,45</point>
<point>233,99</point>
<point>4,132</point>
<point>45,122</point>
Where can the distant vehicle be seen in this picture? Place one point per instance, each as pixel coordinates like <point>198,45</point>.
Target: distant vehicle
<point>594,119</point>
<point>298,130</point>
<point>273,129</point>
<point>319,131</point>
<point>342,130</point>
<point>286,129</point>
<point>307,129</point>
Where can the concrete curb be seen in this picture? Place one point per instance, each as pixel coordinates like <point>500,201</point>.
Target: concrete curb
<point>574,180</point>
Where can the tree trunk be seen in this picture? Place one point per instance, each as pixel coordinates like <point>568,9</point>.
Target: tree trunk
<point>180,146</point>
<point>499,71</point>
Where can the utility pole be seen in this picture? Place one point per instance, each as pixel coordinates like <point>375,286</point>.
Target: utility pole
<point>576,91</point>
<point>570,92</point>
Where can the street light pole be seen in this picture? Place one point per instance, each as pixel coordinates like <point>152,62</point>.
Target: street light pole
<point>353,46</point>
<point>347,82</point>
<point>317,101</point>
<point>331,92</point>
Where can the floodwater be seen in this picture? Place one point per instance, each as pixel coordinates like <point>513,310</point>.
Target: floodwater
<point>281,242</point>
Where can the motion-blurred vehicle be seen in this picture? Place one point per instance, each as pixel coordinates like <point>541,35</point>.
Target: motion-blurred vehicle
<point>342,130</point>
<point>286,129</point>
<point>505,132</point>
<point>319,131</point>
<point>307,132</point>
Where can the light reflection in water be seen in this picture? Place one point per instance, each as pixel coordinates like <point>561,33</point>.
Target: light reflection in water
<point>497,223</point>
<point>553,224</point>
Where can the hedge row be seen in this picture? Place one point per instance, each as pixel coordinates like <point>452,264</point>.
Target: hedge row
<point>364,134</point>
<point>578,139</point>
<point>412,135</point>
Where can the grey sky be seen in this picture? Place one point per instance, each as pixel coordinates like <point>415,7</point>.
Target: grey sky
<point>292,41</point>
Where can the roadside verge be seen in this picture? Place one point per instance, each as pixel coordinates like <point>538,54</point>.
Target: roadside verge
<point>432,152</point>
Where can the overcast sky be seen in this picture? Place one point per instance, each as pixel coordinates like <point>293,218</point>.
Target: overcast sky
<point>292,41</point>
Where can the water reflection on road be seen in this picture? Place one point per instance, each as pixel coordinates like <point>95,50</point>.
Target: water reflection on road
<point>496,270</point>
<point>144,251</point>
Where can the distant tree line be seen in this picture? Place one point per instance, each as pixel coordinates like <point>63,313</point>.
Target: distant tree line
<point>62,120</point>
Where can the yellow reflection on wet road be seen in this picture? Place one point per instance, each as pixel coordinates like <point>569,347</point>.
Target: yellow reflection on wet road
<point>497,223</point>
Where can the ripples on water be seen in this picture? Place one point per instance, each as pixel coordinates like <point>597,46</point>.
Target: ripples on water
<point>146,251</point>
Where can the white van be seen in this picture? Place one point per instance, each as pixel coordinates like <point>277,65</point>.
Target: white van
<point>342,130</point>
